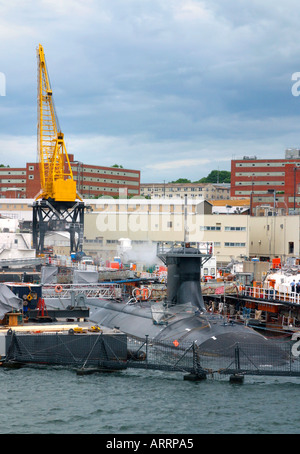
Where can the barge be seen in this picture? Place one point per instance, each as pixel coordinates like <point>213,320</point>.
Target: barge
<point>65,338</point>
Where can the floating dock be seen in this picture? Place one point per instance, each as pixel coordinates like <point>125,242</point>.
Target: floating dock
<point>65,343</point>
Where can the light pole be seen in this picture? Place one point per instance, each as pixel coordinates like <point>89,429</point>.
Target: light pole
<point>295,170</point>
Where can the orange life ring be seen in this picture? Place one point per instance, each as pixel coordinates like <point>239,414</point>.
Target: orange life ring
<point>58,289</point>
<point>143,293</point>
<point>136,292</point>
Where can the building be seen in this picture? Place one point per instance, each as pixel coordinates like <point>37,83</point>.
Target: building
<point>230,206</point>
<point>92,180</point>
<point>273,185</point>
<point>206,191</point>
<point>274,236</point>
<point>148,221</point>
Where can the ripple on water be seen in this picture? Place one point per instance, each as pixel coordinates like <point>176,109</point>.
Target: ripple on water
<point>50,400</point>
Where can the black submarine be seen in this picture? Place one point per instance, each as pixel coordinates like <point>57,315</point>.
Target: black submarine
<point>182,317</point>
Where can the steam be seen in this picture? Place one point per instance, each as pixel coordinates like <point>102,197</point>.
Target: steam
<point>141,253</point>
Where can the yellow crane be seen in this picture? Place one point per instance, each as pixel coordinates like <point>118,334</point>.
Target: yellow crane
<point>56,174</point>
<point>57,207</point>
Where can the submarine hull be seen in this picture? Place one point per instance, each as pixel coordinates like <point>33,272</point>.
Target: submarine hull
<point>211,332</point>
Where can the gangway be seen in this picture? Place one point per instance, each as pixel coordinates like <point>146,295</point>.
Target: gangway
<point>105,291</point>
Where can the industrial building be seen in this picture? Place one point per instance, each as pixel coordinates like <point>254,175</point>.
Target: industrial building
<point>145,223</point>
<point>233,235</point>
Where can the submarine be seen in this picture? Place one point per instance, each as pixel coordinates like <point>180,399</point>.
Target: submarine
<point>182,316</point>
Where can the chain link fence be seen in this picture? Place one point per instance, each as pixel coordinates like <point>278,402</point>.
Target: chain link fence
<point>277,358</point>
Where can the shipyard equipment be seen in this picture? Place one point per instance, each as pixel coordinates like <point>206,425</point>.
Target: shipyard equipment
<point>57,207</point>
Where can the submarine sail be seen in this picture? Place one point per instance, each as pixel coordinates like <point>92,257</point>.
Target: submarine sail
<point>184,272</point>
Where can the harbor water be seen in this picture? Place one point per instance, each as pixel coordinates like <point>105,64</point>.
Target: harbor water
<point>55,400</point>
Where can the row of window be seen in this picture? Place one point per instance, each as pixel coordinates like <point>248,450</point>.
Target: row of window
<point>216,244</point>
<point>260,174</point>
<point>259,183</point>
<point>102,180</point>
<point>107,172</point>
<point>218,228</point>
<point>178,196</point>
<point>186,189</point>
<point>14,172</point>
<point>265,164</point>
<point>261,164</point>
<point>3,181</point>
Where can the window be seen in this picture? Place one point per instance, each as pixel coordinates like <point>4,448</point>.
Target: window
<point>210,228</point>
<point>229,229</point>
<point>291,247</point>
<point>227,244</point>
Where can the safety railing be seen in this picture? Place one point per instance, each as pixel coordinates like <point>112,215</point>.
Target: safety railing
<point>270,294</point>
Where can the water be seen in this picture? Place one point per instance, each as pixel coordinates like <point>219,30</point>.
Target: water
<point>49,400</point>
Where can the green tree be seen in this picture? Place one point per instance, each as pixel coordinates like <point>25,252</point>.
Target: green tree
<point>216,176</point>
<point>181,180</point>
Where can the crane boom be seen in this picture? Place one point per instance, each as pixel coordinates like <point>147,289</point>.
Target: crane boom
<point>56,174</point>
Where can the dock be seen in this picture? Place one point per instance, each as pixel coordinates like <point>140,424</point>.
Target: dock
<point>66,340</point>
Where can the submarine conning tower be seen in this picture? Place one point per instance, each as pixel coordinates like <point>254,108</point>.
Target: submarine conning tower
<point>184,273</point>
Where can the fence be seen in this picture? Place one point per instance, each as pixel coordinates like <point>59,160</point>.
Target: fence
<point>271,294</point>
<point>277,358</point>
<point>67,349</point>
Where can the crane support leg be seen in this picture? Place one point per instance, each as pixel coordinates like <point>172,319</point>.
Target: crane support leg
<point>53,216</point>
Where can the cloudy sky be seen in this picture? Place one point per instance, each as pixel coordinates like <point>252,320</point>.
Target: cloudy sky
<point>174,88</point>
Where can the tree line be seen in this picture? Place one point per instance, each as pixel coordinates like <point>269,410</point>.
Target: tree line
<point>215,176</point>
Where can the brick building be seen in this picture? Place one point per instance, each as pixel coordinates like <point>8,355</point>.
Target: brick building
<point>92,180</point>
<point>273,185</point>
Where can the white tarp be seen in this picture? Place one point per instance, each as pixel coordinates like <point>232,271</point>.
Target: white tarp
<point>85,277</point>
<point>49,275</point>
<point>8,301</point>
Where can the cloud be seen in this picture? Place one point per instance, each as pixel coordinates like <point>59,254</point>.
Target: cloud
<point>174,88</point>
<point>177,164</point>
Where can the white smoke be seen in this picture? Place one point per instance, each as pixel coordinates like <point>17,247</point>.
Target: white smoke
<point>138,253</point>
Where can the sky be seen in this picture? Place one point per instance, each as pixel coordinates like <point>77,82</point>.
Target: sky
<point>173,88</point>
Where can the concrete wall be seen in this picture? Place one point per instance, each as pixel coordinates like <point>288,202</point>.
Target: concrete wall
<point>274,236</point>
